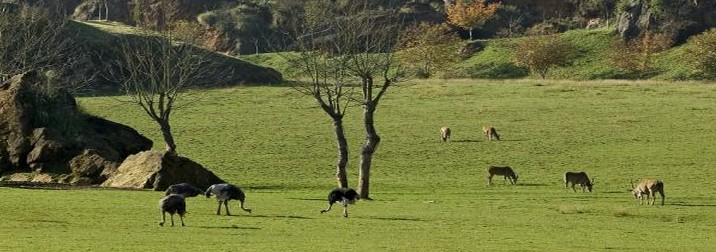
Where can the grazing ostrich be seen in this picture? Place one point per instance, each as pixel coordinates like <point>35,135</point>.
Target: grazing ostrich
<point>224,193</point>
<point>344,195</point>
<point>172,204</point>
<point>183,189</point>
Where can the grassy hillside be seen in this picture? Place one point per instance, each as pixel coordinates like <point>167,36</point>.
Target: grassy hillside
<point>592,62</point>
<point>429,195</point>
<point>101,40</point>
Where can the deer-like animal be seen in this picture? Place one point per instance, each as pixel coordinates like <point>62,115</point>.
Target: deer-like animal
<point>505,171</point>
<point>648,187</point>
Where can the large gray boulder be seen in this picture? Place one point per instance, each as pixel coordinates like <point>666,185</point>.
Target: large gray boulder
<point>158,170</point>
<point>678,18</point>
<point>46,133</point>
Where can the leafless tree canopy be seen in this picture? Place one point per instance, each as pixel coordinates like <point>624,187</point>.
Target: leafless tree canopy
<point>157,73</point>
<point>34,38</point>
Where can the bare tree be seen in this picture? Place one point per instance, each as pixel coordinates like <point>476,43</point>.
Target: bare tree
<point>375,37</point>
<point>157,73</point>
<point>349,44</point>
<point>327,79</point>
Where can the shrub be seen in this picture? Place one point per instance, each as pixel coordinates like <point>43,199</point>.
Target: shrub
<point>701,50</point>
<point>427,48</point>
<point>637,55</point>
<point>540,53</point>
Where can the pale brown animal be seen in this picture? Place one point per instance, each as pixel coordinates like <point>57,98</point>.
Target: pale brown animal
<point>648,187</point>
<point>594,23</point>
<point>505,171</point>
<point>578,178</point>
<point>445,133</point>
<point>490,133</point>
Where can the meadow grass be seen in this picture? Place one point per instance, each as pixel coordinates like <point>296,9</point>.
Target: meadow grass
<point>428,195</point>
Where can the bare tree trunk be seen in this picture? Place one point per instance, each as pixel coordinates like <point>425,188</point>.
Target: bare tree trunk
<point>167,135</point>
<point>342,163</point>
<point>372,139</point>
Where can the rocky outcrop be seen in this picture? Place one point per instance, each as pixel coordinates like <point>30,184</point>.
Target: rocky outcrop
<point>45,133</point>
<point>679,19</point>
<point>158,170</point>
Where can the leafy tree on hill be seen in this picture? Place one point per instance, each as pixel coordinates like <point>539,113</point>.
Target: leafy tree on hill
<point>470,16</point>
<point>701,51</point>
<point>540,53</point>
<point>429,48</point>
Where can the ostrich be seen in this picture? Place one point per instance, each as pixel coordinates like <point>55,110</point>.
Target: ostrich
<point>183,189</point>
<point>224,193</point>
<point>173,203</point>
<point>344,195</point>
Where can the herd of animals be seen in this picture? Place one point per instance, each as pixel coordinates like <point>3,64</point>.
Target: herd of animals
<point>174,203</point>
<point>647,187</point>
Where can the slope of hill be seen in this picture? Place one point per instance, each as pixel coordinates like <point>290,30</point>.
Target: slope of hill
<point>101,40</point>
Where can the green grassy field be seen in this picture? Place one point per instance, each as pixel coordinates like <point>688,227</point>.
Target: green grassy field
<point>428,195</point>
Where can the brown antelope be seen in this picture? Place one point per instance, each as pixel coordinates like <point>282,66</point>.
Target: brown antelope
<point>445,133</point>
<point>594,23</point>
<point>578,178</point>
<point>505,171</point>
<point>648,187</point>
<point>490,133</point>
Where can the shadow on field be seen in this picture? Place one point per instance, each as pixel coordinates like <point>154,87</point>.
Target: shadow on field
<point>690,204</point>
<point>532,184</point>
<point>276,216</point>
<point>309,199</point>
<point>392,218</point>
<point>230,227</point>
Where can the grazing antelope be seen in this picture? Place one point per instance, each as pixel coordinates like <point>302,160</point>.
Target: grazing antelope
<point>490,133</point>
<point>505,171</point>
<point>594,23</point>
<point>345,196</point>
<point>445,133</point>
<point>578,178</point>
<point>648,187</point>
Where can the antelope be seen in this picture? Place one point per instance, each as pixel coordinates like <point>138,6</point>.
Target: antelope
<point>445,133</point>
<point>505,171</point>
<point>648,187</point>
<point>490,133</point>
<point>579,178</point>
<point>593,23</point>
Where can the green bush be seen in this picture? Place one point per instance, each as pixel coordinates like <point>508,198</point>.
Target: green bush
<point>540,53</point>
<point>701,51</point>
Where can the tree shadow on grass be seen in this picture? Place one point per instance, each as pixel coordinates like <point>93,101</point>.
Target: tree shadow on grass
<point>230,227</point>
<point>274,216</point>
<point>391,218</point>
<point>689,204</point>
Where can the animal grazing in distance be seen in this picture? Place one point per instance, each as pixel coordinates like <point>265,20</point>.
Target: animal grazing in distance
<point>593,23</point>
<point>225,192</point>
<point>173,203</point>
<point>505,171</point>
<point>648,187</point>
<point>445,133</point>
<point>578,178</point>
<point>490,133</point>
<point>345,196</point>
<point>184,189</point>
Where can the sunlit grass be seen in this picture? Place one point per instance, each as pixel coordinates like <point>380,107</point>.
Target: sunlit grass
<point>429,195</point>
